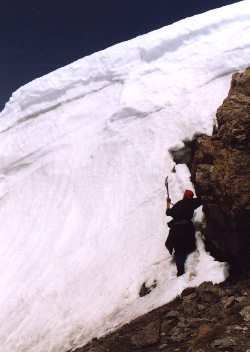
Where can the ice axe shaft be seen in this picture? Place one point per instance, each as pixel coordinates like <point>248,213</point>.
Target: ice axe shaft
<point>166,184</point>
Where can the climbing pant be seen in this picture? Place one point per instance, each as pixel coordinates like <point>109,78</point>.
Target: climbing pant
<point>180,262</point>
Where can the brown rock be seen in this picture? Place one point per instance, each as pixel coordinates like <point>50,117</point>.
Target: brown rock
<point>193,321</point>
<point>201,307</point>
<point>226,342</point>
<point>245,313</point>
<point>242,301</point>
<point>227,302</point>
<point>189,298</point>
<point>204,332</point>
<point>178,334</point>
<point>221,171</point>
<point>190,309</point>
<point>188,291</point>
<point>215,309</point>
<point>147,335</point>
<point>172,314</point>
<point>163,347</point>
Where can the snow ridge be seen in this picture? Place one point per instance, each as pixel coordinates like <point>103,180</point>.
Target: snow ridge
<point>84,154</point>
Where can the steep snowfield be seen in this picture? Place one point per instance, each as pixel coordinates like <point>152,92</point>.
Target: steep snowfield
<point>84,155</point>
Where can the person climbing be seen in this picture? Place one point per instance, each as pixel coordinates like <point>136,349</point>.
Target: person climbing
<point>181,238</point>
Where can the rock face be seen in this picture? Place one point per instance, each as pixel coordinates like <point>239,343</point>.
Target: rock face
<point>206,318</point>
<point>221,176</point>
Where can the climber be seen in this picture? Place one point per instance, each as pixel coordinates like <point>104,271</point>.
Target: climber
<point>181,238</point>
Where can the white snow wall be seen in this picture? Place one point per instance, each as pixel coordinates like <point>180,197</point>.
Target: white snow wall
<point>84,154</point>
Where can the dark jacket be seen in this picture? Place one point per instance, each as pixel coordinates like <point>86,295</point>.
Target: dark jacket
<point>184,209</point>
<point>181,236</point>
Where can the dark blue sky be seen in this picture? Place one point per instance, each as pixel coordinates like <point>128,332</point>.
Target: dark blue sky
<point>39,36</point>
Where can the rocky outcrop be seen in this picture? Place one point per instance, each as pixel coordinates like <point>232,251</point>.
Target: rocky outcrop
<point>206,318</point>
<point>220,172</point>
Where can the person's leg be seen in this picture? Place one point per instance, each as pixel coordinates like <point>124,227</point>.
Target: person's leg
<point>180,262</point>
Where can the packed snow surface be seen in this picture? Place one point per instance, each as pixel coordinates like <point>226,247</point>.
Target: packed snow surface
<point>84,154</point>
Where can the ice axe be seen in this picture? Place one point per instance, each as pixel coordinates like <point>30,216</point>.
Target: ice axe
<point>166,184</point>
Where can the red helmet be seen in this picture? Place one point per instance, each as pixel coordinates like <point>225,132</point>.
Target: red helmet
<point>188,194</point>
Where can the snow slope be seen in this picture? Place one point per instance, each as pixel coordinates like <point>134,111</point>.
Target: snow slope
<point>84,154</point>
